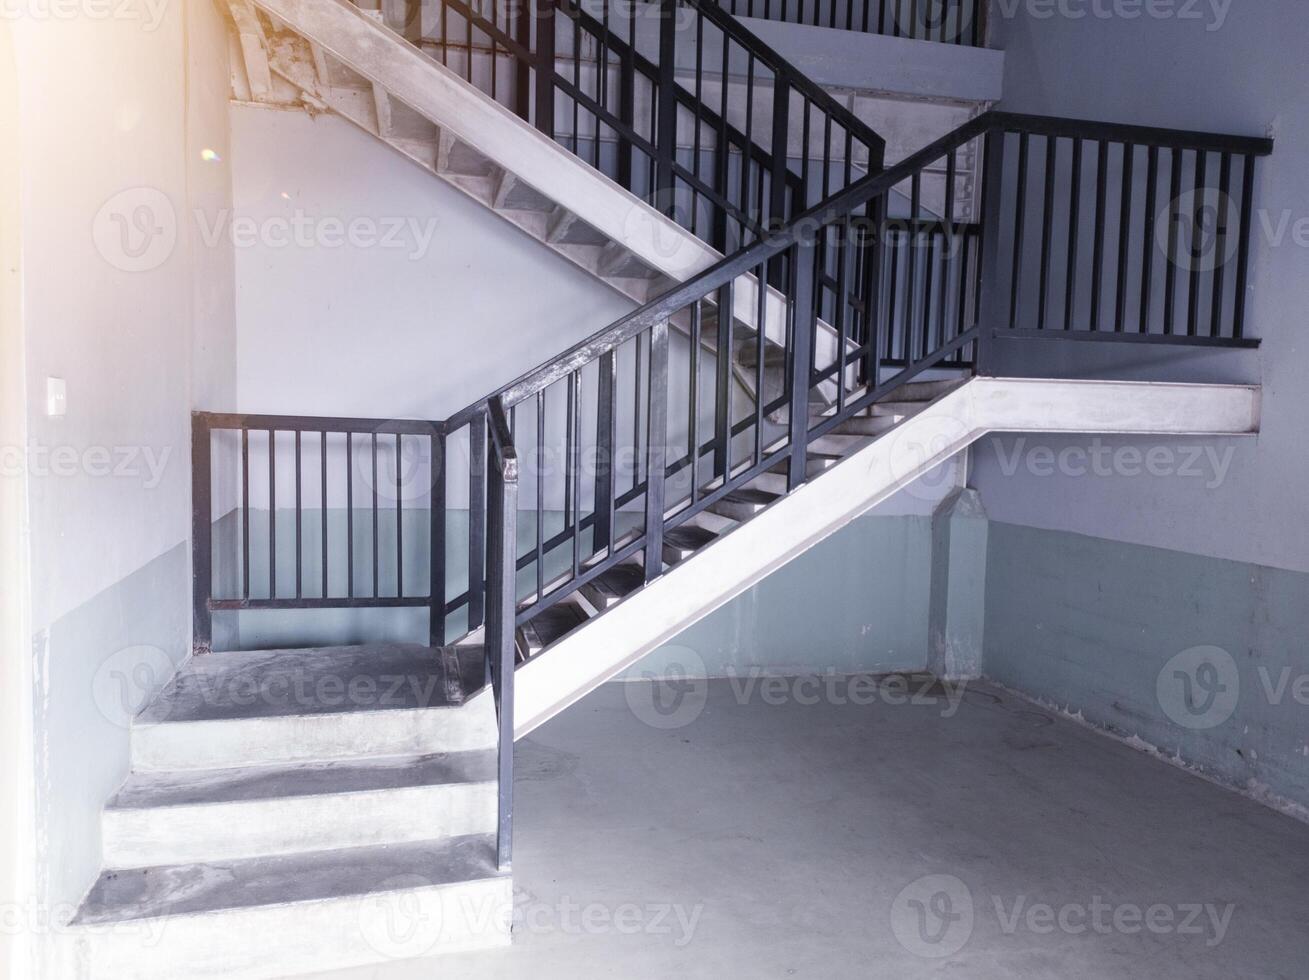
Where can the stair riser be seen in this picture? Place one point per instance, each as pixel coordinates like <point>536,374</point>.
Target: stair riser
<point>297,938</point>
<point>314,738</point>
<point>261,828</point>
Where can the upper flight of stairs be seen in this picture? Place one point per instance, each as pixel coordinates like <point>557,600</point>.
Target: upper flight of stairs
<point>333,56</point>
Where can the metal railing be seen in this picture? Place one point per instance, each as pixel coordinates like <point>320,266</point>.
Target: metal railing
<point>635,431</point>
<point>675,100</point>
<point>942,21</point>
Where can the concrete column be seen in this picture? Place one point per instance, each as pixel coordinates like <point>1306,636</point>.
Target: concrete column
<point>957,612</point>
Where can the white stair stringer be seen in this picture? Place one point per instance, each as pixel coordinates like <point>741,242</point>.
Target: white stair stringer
<point>655,614</point>
<point>628,227</point>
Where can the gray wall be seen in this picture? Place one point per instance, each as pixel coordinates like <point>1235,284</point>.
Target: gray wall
<point>1110,558</point>
<point>1237,78</point>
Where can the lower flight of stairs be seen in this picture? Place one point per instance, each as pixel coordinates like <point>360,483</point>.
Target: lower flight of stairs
<point>301,810</point>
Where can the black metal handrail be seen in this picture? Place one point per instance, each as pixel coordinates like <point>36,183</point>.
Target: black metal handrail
<point>628,87</point>
<point>943,21</point>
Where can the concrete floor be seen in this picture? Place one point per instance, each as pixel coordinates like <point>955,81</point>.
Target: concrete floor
<point>767,839</point>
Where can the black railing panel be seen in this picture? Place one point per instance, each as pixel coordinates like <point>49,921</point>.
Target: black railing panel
<point>943,21</point>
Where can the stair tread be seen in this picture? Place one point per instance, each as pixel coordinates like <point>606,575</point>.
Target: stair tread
<point>619,581</point>
<point>195,889</point>
<point>147,790</point>
<point>690,538</point>
<point>749,495</point>
<point>311,681</point>
<point>553,624</point>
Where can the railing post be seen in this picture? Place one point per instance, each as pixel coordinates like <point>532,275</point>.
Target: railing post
<point>780,147</point>
<point>436,542</point>
<point>202,538</point>
<point>545,66</point>
<point>803,324</point>
<point>604,454</point>
<point>502,538</point>
<point>666,140</point>
<point>993,308</point>
<point>657,451</point>
<point>476,521</point>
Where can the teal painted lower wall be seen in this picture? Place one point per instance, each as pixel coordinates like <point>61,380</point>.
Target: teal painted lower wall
<point>1205,659</point>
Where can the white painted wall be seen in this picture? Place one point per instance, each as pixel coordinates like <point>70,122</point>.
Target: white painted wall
<point>121,302</point>
<point>17,805</point>
<point>1234,71</point>
<point>465,304</point>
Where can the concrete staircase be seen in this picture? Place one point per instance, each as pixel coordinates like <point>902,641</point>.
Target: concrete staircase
<point>301,810</point>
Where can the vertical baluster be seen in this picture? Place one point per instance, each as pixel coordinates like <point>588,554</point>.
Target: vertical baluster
<point>636,412</point>
<point>667,103</point>
<point>991,312</point>
<point>202,537</point>
<point>911,267</point>
<point>1124,238</point>
<point>929,268</point>
<point>893,283</point>
<point>605,445</point>
<point>545,66</point>
<point>693,403</point>
<point>723,384</point>
<point>575,465</point>
<point>1147,238</point>
<point>376,522</point>
<point>500,633</point>
<point>299,531</point>
<point>1220,245</point>
<point>1170,273</point>
<point>874,259</point>
<point>349,515</point>
<point>656,448</point>
<point>1097,255</point>
<point>436,541</point>
<point>1197,243</point>
<point>540,495</point>
<point>1047,227</point>
<point>1074,235</point>
<point>803,320</point>
<point>245,513</point>
<point>1020,221</point>
<point>399,522</point>
<point>323,508</point>
<point>477,504</point>
<point>844,273</point>
<point>948,259</point>
<point>761,339</point>
<point>1243,248</point>
<point>272,514</point>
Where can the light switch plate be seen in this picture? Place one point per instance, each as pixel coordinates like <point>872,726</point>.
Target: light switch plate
<point>56,398</point>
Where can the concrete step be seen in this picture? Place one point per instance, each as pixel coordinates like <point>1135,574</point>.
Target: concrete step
<point>775,481</point>
<point>284,916</point>
<point>202,816</point>
<point>278,707</point>
<point>610,587</point>
<point>682,542</point>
